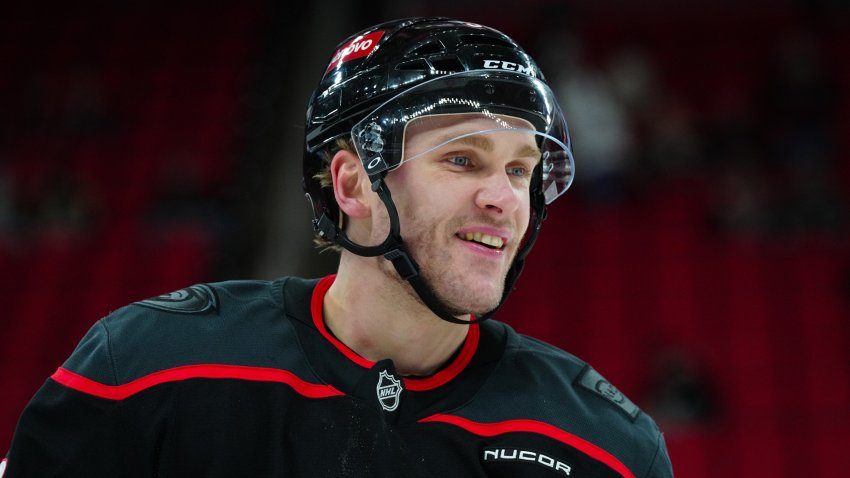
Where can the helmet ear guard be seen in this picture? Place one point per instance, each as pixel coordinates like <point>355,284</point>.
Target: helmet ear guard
<point>381,79</point>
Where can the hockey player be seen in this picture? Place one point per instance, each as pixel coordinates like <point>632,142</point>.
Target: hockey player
<point>432,148</point>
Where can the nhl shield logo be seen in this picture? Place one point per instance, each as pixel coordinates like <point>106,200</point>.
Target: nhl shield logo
<point>389,391</point>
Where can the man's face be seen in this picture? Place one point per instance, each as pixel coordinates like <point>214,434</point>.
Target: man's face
<point>464,206</point>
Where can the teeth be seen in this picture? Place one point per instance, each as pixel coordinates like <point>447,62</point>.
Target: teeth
<point>492,241</point>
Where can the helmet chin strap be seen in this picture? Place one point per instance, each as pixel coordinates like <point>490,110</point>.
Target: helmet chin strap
<point>394,250</point>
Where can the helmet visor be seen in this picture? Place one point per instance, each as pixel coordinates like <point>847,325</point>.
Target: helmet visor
<point>466,108</point>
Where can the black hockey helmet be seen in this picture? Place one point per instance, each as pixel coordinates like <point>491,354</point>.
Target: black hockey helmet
<point>381,79</point>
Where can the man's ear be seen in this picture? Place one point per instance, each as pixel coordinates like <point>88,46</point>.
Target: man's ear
<point>351,185</point>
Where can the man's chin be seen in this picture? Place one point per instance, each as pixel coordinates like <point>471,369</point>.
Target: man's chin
<point>461,296</point>
<point>475,304</point>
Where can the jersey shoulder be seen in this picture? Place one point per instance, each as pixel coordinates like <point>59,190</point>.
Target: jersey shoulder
<point>575,374</point>
<point>538,381</point>
<point>228,323</point>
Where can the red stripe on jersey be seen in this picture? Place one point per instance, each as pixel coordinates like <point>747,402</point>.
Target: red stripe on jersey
<point>470,345</point>
<point>316,309</point>
<point>533,426</point>
<point>456,367</point>
<point>239,372</point>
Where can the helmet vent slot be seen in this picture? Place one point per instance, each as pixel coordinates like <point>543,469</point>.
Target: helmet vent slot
<point>485,40</point>
<point>448,64</point>
<point>427,48</point>
<point>413,65</point>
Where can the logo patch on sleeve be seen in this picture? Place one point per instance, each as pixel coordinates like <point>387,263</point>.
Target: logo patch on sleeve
<point>596,383</point>
<point>197,299</point>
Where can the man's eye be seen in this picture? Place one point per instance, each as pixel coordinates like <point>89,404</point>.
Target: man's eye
<point>459,160</point>
<point>517,171</point>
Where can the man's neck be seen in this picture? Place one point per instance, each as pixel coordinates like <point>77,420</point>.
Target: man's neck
<point>379,317</point>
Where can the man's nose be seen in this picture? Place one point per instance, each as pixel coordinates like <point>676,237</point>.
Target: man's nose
<point>496,193</point>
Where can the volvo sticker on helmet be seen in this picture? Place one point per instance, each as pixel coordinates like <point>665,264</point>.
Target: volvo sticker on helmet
<point>356,48</point>
<point>510,66</point>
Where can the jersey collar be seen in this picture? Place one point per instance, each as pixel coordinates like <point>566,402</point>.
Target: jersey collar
<point>445,375</point>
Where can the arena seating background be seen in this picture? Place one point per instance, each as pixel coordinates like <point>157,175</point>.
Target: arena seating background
<point>702,263</point>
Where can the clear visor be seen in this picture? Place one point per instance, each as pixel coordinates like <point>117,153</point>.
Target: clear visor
<point>501,111</point>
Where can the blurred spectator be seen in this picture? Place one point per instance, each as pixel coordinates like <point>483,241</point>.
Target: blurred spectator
<point>187,203</point>
<point>598,117</point>
<point>774,158</point>
<point>671,144</point>
<point>740,201</point>
<point>8,207</point>
<point>68,210</point>
<point>741,191</point>
<point>33,104</point>
<point>86,111</point>
<point>627,130</point>
<point>680,392</point>
<point>634,78</point>
<point>180,196</point>
<point>798,113</point>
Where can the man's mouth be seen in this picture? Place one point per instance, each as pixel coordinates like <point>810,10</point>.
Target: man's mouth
<point>493,242</point>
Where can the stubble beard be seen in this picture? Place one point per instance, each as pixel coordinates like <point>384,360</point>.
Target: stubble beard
<point>447,282</point>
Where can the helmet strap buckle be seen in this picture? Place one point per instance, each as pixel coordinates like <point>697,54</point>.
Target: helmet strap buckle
<point>405,267</point>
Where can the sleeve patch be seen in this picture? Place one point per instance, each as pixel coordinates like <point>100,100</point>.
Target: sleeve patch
<point>596,383</point>
<point>197,299</point>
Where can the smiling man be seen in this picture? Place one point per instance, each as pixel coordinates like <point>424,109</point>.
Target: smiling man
<point>432,149</point>
<point>464,203</point>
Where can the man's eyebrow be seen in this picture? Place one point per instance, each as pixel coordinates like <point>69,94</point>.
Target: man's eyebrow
<point>476,141</point>
<point>528,151</point>
<point>485,144</point>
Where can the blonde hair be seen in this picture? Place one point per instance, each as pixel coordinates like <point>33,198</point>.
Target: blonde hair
<point>326,181</point>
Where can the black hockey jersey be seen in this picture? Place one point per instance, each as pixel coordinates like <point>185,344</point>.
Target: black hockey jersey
<point>242,379</point>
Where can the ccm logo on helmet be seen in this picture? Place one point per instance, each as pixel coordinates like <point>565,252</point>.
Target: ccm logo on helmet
<point>509,65</point>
